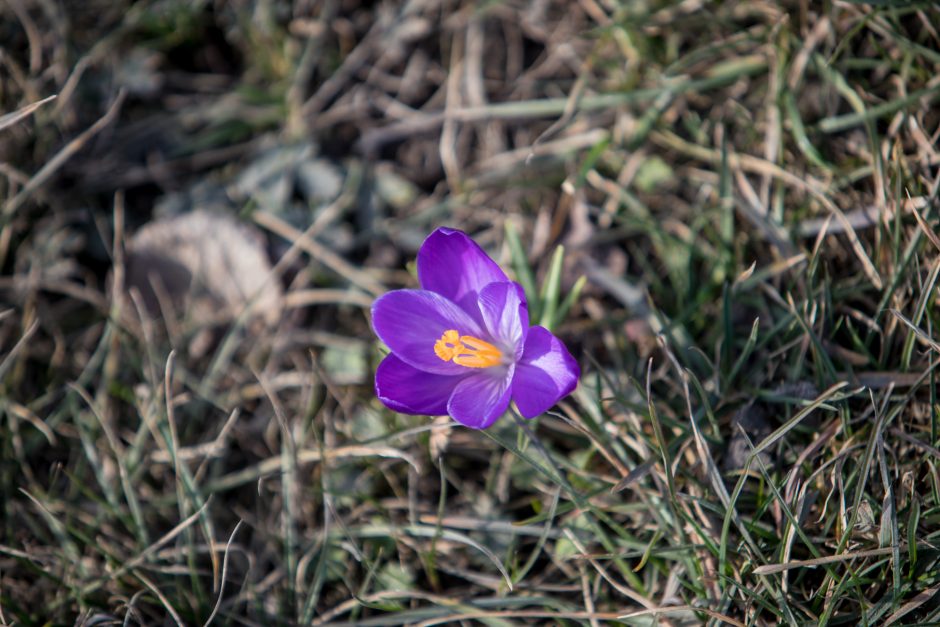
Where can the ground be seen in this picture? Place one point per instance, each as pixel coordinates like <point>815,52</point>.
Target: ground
<point>727,211</point>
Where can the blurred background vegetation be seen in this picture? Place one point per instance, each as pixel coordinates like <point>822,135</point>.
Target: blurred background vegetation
<point>200,199</point>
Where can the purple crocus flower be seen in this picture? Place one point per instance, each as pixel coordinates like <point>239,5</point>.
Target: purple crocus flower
<point>462,345</point>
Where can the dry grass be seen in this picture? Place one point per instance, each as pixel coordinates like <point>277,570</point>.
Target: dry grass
<point>750,190</point>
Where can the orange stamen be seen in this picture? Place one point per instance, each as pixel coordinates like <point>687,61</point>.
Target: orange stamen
<point>466,350</point>
<point>448,346</point>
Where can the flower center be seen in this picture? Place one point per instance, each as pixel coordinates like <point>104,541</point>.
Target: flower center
<point>466,350</point>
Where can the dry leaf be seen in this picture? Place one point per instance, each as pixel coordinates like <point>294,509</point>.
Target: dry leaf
<point>209,266</point>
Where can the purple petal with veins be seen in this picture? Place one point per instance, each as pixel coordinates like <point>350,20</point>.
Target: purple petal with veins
<point>546,373</point>
<point>505,315</point>
<point>411,391</point>
<point>480,399</point>
<point>454,266</point>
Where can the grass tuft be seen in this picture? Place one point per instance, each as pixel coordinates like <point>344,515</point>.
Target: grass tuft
<point>728,211</point>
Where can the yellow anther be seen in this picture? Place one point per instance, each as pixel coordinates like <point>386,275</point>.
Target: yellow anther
<point>466,350</point>
<point>448,346</point>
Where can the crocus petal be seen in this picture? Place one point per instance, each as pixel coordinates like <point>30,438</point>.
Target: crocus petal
<point>546,373</point>
<point>506,315</point>
<point>411,321</point>
<point>453,265</point>
<point>408,390</point>
<point>479,399</point>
